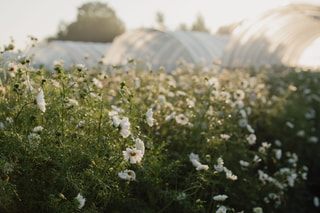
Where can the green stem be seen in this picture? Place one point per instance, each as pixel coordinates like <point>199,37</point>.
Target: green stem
<point>100,120</point>
<point>3,69</point>
<point>16,117</point>
<point>166,206</point>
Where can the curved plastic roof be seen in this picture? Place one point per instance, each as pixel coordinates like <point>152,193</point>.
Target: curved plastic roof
<point>277,37</point>
<point>70,52</point>
<point>160,48</point>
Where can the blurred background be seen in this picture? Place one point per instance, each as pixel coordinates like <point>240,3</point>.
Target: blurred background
<point>258,33</point>
<point>43,19</point>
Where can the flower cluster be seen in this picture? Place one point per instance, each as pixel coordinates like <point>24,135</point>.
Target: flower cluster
<point>119,135</point>
<point>195,160</point>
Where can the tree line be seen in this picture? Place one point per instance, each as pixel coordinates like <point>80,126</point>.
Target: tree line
<point>97,22</point>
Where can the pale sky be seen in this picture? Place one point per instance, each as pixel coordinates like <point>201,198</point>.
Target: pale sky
<point>40,18</point>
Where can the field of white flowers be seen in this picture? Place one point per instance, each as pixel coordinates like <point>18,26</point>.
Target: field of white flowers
<point>127,139</point>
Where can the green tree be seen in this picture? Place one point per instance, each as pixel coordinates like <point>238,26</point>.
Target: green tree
<point>160,20</point>
<point>227,29</point>
<point>183,27</point>
<point>199,25</point>
<point>96,22</point>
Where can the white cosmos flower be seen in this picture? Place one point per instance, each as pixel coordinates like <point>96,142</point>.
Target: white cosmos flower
<point>12,68</point>
<point>273,196</point>
<point>10,120</point>
<point>124,123</point>
<point>224,95</point>
<point>292,87</point>
<point>81,201</point>
<point>70,103</point>
<point>257,210</point>
<point>40,101</point>
<point>55,83</point>
<point>291,179</point>
<point>80,124</point>
<point>113,113</point>
<point>244,163</point>
<point>221,209</point>
<point>313,139</point>
<point>116,121</point>
<point>210,111</point>
<point>240,94</point>
<point>162,99</point>
<point>125,133</point>
<point>37,129</point>
<point>80,67</point>
<point>316,201</point>
<point>277,143</point>
<point>170,117</point>
<point>125,127</point>
<point>248,110</point>
<point>278,153</point>
<point>136,83</point>
<point>181,93</point>
<point>224,136</point>
<point>263,176</point>
<point>229,174</point>
<point>97,83</point>
<point>93,95</point>
<point>127,175</point>
<point>289,124</point>
<point>34,141</point>
<point>220,197</point>
<point>301,133</point>
<point>149,117</point>
<point>310,114</point>
<point>194,159</point>
<point>201,166</point>
<point>181,196</point>
<point>243,113</point>
<point>140,145</point>
<point>240,105</point>
<point>117,109</point>
<point>219,167</point>
<point>262,149</point>
<point>2,126</point>
<point>252,139</point>
<point>34,137</point>
<point>196,163</point>
<point>250,129</point>
<point>293,159</point>
<point>193,156</point>
<point>182,119</point>
<point>8,167</point>
<point>304,176</point>
<point>243,122</point>
<point>134,155</point>
<point>256,158</point>
<point>213,82</point>
<point>266,145</point>
<point>191,102</point>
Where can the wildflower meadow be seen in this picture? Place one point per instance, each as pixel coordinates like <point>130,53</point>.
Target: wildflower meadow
<point>130,139</point>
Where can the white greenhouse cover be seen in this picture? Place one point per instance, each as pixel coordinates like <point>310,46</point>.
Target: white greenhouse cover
<point>288,36</point>
<point>70,52</point>
<point>160,48</point>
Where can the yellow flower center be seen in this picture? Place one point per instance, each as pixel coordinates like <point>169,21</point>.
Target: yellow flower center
<point>132,154</point>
